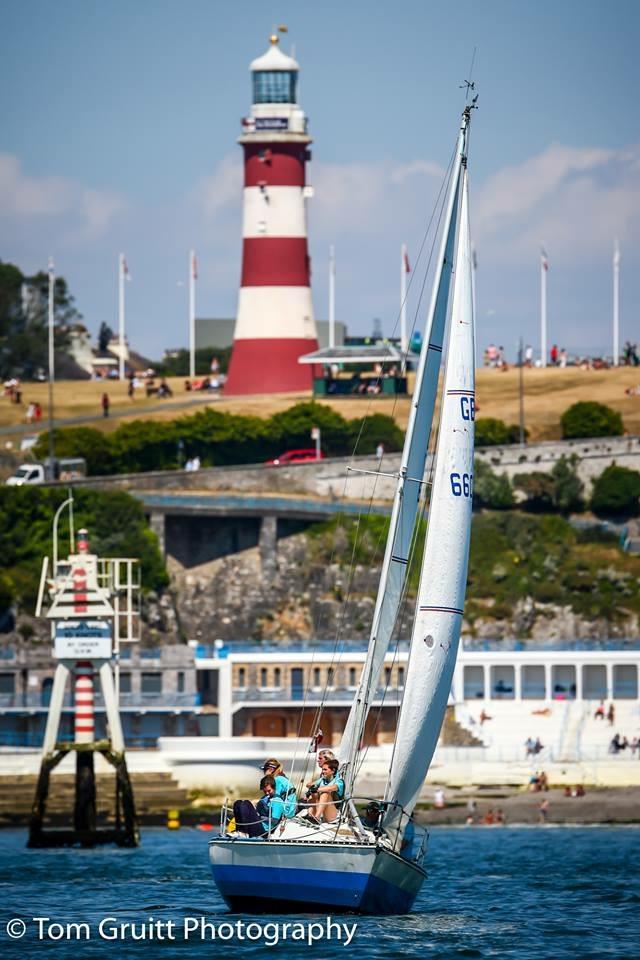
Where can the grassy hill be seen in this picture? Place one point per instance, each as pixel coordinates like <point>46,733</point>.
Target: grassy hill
<point>548,393</point>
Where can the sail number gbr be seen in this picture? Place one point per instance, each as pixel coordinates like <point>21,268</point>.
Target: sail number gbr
<point>462,484</point>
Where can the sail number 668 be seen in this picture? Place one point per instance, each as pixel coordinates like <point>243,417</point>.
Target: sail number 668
<point>462,484</point>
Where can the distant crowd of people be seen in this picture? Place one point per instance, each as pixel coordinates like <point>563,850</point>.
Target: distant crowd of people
<point>495,357</point>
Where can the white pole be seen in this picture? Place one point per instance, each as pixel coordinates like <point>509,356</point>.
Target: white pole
<point>332,296</point>
<point>192,314</point>
<point>52,284</point>
<point>121,272</point>
<point>543,307</point>
<point>403,300</point>
<point>616,304</point>
<point>474,267</point>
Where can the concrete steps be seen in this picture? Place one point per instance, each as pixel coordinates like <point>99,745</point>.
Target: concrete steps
<point>154,793</point>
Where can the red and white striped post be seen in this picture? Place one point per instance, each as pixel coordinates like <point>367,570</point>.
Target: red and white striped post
<point>84,715</point>
<point>275,323</point>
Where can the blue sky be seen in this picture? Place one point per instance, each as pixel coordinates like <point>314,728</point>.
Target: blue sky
<point>119,128</point>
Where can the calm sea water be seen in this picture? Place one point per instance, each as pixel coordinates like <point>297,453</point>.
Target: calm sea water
<point>545,893</point>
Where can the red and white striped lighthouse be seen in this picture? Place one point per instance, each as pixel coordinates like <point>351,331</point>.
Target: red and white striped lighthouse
<point>275,323</point>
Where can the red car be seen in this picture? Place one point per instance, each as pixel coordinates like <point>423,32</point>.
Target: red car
<point>295,456</point>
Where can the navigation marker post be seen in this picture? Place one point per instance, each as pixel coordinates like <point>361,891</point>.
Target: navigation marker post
<point>92,609</point>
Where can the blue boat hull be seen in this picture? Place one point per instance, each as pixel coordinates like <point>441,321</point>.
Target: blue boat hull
<point>293,877</point>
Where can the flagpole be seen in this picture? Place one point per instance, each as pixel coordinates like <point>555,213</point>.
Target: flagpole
<point>616,304</point>
<point>543,308</point>
<point>52,283</point>
<point>121,270</point>
<point>332,296</point>
<point>192,314</point>
<point>403,301</point>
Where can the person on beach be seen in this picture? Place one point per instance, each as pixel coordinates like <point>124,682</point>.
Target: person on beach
<point>611,714</point>
<point>599,714</point>
<point>543,812</point>
<point>106,403</point>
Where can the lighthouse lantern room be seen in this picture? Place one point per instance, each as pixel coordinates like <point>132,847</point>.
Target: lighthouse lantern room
<point>275,323</point>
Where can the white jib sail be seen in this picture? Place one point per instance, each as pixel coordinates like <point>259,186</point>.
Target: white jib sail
<point>407,496</point>
<point>436,632</point>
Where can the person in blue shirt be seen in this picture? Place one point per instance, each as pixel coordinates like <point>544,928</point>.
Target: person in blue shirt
<point>329,789</point>
<point>285,791</point>
<point>270,808</point>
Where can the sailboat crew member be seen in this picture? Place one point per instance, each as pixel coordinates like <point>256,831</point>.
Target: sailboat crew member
<point>284,789</point>
<point>329,791</point>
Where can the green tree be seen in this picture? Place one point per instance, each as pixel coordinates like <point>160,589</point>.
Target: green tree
<point>24,318</point>
<point>116,525</point>
<point>105,333</point>
<point>177,365</point>
<point>95,446</point>
<point>491,432</point>
<point>561,489</point>
<point>491,489</point>
<point>616,492</point>
<point>568,487</point>
<point>590,419</point>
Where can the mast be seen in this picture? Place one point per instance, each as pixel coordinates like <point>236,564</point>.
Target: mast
<point>407,495</point>
<point>438,620</point>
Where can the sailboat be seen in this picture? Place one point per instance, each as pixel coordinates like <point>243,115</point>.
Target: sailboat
<point>345,865</point>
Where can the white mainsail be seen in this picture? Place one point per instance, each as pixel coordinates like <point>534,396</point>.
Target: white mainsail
<point>440,603</point>
<point>412,468</point>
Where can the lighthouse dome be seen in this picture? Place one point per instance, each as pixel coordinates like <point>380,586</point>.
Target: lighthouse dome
<point>274,59</point>
<point>274,76</point>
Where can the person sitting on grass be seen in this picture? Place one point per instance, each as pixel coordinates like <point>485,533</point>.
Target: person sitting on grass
<point>329,789</point>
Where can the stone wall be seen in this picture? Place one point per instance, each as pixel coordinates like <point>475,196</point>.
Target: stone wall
<point>333,479</point>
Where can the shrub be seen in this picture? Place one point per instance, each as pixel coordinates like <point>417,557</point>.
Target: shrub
<point>616,492</point>
<point>590,419</point>
<point>538,489</point>
<point>568,487</point>
<point>491,432</point>
<point>221,439</point>
<point>560,489</point>
<point>491,489</point>
<point>93,445</point>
